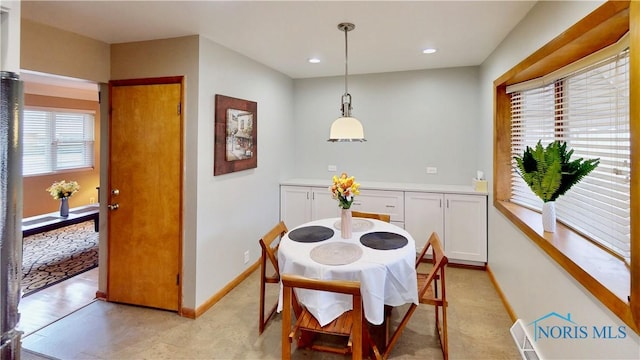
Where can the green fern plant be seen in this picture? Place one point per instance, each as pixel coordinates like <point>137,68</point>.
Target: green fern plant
<point>548,170</point>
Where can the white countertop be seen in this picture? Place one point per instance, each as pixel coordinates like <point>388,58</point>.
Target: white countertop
<point>374,185</point>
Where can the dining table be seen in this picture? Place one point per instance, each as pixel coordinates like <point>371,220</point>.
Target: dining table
<point>380,255</point>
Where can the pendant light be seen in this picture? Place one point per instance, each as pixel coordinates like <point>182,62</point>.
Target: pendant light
<point>346,128</point>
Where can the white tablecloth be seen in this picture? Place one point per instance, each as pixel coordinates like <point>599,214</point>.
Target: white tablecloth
<point>387,277</point>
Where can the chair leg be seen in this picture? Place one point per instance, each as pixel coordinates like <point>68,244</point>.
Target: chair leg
<point>398,331</point>
<point>262,322</point>
<point>441,328</point>
<point>286,324</point>
<point>444,339</point>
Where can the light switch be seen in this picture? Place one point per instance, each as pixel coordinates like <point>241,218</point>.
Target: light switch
<point>332,168</point>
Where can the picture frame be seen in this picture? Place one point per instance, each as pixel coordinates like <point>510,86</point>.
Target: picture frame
<point>236,135</point>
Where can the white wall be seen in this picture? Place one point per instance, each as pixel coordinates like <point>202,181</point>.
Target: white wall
<point>411,120</point>
<point>533,284</point>
<point>235,210</point>
<point>10,36</point>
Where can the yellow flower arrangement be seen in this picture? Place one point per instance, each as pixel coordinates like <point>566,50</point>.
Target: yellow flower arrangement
<point>63,189</point>
<point>344,189</point>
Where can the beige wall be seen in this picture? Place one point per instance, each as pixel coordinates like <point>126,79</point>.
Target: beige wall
<point>50,50</point>
<point>36,200</point>
<point>159,58</point>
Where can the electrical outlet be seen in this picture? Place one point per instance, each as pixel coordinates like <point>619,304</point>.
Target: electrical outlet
<point>332,168</point>
<point>246,256</point>
<point>432,170</point>
<point>92,200</point>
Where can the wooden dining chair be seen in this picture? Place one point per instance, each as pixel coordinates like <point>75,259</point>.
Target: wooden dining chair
<point>349,325</point>
<point>269,257</point>
<point>381,217</point>
<point>431,291</point>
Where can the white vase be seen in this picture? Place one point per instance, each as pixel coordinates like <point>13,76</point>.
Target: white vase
<point>345,224</point>
<point>549,216</point>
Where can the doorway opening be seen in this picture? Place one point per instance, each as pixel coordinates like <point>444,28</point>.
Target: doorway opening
<point>59,254</point>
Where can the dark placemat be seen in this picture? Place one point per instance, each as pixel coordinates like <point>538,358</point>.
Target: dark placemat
<point>382,240</point>
<point>309,234</point>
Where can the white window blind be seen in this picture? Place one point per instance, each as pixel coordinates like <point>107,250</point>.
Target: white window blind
<point>588,109</point>
<point>56,141</point>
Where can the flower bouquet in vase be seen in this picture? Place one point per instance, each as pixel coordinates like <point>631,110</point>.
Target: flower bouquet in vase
<point>344,189</point>
<point>63,190</point>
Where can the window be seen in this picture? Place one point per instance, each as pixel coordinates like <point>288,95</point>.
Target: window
<point>606,276</point>
<point>57,140</point>
<point>588,109</point>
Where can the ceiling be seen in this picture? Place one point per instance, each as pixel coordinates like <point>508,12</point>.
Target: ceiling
<point>389,35</point>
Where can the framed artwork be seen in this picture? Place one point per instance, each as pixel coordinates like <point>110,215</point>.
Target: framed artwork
<point>236,135</point>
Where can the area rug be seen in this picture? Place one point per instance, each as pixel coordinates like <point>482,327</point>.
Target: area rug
<point>54,256</point>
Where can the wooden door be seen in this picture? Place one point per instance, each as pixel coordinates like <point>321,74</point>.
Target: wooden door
<point>145,193</point>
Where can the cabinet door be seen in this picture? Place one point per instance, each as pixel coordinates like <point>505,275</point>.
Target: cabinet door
<point>381,202</point>
<point>323,205</point>
<point>466,227</point>
<point>424,215</point>
<point>295,205</point>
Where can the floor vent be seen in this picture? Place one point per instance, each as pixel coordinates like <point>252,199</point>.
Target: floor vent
<point>523,341</point>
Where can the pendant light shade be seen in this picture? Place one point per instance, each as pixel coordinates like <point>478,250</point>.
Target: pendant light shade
<point>346,127</point>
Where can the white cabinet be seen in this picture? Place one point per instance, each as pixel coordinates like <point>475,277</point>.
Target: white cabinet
<point>459,219</point>
<point>457,214</point>
<point>381,202</point>
<point>300,204</point>
<point>465,227</point>
<point>323,205</point>
<point>423,215</point>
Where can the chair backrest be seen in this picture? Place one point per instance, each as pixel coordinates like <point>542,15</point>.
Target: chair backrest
<point>432,290</point>
<point>269,254</point>
<point>439,261</point>
<point>268,251</point>
<point>434,238</point>
<point>381,217</point>
<point>427,292</point>
<point>290,282</point>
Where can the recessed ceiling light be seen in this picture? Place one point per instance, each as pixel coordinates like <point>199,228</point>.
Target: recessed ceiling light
<point>314,60</point>
<point>429,51</point>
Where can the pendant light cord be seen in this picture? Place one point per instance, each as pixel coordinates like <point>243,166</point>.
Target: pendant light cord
<point>346,61</point>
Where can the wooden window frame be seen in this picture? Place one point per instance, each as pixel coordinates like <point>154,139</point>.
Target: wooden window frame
<point>618,288</point>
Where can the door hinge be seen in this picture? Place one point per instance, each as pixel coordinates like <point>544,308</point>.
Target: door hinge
<point>178,279</point>
<point>179,108</point>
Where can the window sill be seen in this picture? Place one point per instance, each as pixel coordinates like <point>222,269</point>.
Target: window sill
<point>604,275</point>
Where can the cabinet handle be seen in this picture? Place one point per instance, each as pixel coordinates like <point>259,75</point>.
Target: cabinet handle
<point>447,204</point>
<point>307,195</point>
<point>356,203</point>
<point>313,196</point>
<point>390,206</point>
<point>440,202</point>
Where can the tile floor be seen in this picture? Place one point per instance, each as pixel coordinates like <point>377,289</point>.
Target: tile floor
<point>478,329</point>
<point>50,304</point>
